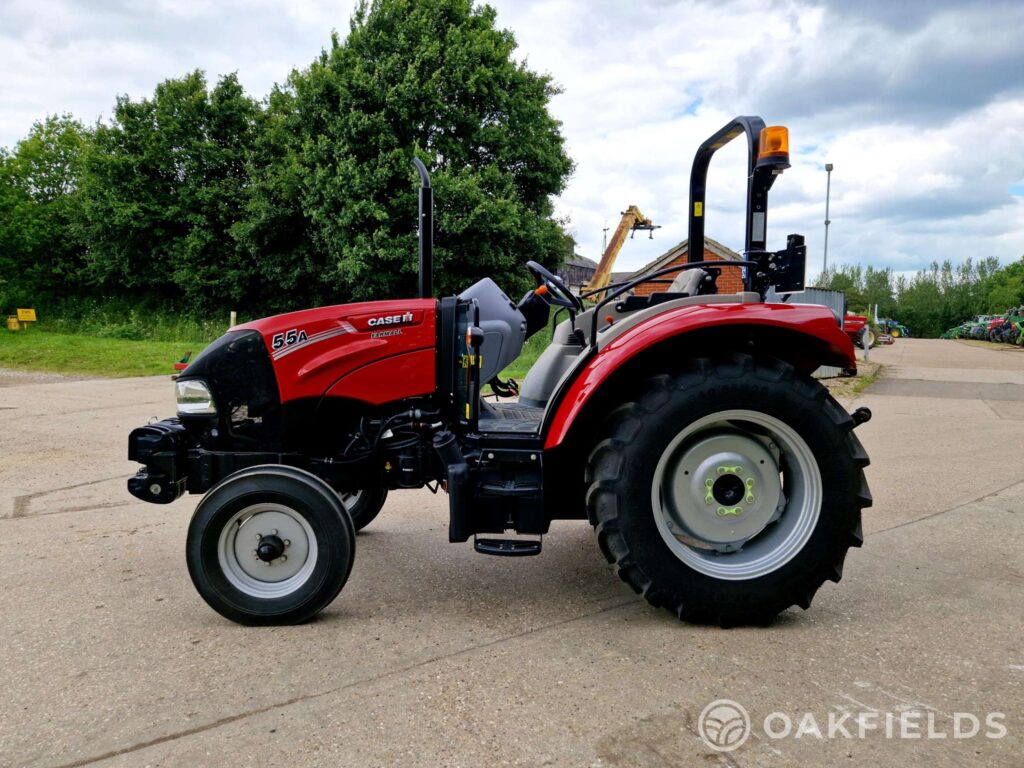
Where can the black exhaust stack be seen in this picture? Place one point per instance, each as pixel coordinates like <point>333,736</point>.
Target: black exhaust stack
<point>426,230</point>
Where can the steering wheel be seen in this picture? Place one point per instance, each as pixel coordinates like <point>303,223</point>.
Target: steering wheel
<point>557,292</point>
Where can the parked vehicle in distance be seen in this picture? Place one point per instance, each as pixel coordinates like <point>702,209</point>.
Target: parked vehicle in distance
<point>859,330</point>
<point>893,328</point>
<point>1006,328</point>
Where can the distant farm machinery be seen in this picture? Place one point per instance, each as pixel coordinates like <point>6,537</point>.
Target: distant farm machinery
<point>1007,328</point>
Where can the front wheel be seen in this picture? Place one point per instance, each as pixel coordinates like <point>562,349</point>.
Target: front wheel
<point>709,498</point>
<point>364,505</point>
<point>270,545</point>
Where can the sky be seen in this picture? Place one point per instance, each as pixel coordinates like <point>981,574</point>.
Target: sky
<point>918,105</point>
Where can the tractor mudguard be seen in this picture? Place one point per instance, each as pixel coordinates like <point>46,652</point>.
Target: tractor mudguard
<point>810,329</point>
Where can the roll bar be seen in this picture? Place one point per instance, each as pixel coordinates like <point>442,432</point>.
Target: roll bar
<point>761,175</point>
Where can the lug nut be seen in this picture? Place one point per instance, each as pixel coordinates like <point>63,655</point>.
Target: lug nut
<point>283,558</point>
<point>287,542</point>
<point>274,532</point>
<point>259,536</point>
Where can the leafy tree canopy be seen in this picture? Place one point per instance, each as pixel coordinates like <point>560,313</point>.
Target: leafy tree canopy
<point>437,79</point>
<point>935,299</point>
<point>39,214</point>
<point>164,184</point>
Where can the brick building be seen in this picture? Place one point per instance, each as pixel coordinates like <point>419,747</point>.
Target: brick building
<point>730,281</point>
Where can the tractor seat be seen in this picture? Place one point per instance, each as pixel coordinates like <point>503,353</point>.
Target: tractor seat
<point>685,285</point>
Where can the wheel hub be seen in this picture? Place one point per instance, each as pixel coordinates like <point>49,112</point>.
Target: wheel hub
<point>722,489</point>
<point>727,490</point>
<point>269,548</point>
<point>265,548</point>
<point>695,506</point>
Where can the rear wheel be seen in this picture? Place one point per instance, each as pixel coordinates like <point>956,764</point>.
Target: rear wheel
<point>270,545</point>
<point>708,497</point>
<point>866,335</point>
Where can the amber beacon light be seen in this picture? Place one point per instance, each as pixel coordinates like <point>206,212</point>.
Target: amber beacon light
<point>773,146</point>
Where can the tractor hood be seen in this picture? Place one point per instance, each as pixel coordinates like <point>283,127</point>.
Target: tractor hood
<point>374,351</point>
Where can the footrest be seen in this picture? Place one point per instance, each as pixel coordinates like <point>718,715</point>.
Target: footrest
<point>507,547</point>
<point>510,489</point>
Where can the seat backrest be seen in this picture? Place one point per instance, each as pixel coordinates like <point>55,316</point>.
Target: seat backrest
<point>687,282</point>
<point>503,325</point>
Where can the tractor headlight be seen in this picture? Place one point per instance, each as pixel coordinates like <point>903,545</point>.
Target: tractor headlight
<point>194,397</point>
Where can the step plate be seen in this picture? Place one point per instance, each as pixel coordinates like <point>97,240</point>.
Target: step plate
<point>507,547</point>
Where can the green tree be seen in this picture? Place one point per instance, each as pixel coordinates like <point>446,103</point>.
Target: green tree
<point>879,290</point>
<point>165,184</point>
<point>275,232</point>
<point>40,244</point>
<point>945,295</point>
<point>434,78</point>
<point>1005,288</point>
<point>848,278</point>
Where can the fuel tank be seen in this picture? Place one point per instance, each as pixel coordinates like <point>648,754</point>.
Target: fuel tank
<point>375,352</point>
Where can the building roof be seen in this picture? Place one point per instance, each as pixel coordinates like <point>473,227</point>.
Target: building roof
<point>580,261</point>
<point>681,249</point>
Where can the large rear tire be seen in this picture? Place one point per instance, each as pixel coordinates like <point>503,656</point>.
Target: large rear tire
<point>270,545</point>
<point>709,498</point>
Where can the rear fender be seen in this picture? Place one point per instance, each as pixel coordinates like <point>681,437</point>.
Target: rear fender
<point>806,336</point>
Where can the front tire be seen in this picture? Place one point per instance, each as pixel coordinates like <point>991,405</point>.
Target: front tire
<point>363,506</point>
<point>270,544</point>
<point>709,498</point>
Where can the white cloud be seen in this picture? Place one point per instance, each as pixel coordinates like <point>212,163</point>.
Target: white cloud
<point>919,109</point>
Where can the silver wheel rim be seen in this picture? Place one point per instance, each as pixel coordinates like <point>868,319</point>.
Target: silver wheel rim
<point>350,499</point>
<point>695,487</point>
<point>236,551</point>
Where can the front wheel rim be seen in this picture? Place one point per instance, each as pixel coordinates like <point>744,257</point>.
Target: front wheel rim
<point>238,550</point>
<point>350,499</point>
<point>694,497</point>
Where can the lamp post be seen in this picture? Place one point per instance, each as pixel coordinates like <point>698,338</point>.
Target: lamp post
<point>828,190</point>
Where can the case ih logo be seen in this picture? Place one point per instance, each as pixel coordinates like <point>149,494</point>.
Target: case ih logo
<point>376,322</point>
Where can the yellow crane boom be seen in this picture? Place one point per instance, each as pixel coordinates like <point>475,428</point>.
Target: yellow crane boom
<point>632,220</point>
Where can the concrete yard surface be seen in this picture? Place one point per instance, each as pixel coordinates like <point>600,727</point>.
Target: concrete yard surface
<point>434,655</point>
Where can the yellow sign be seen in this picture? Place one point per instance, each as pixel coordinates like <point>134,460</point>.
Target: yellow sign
<point>27,315</point>
<point>698,209</point>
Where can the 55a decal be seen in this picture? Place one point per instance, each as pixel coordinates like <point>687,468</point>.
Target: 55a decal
<point>286,339</point>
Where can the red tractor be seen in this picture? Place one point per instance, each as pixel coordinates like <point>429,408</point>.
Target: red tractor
<point>724,483</point>
<point>859,330</point>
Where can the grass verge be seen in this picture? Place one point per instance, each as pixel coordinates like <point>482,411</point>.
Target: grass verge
<point>531,351</point>
<point>73,354</point>
<point>850,387</point>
